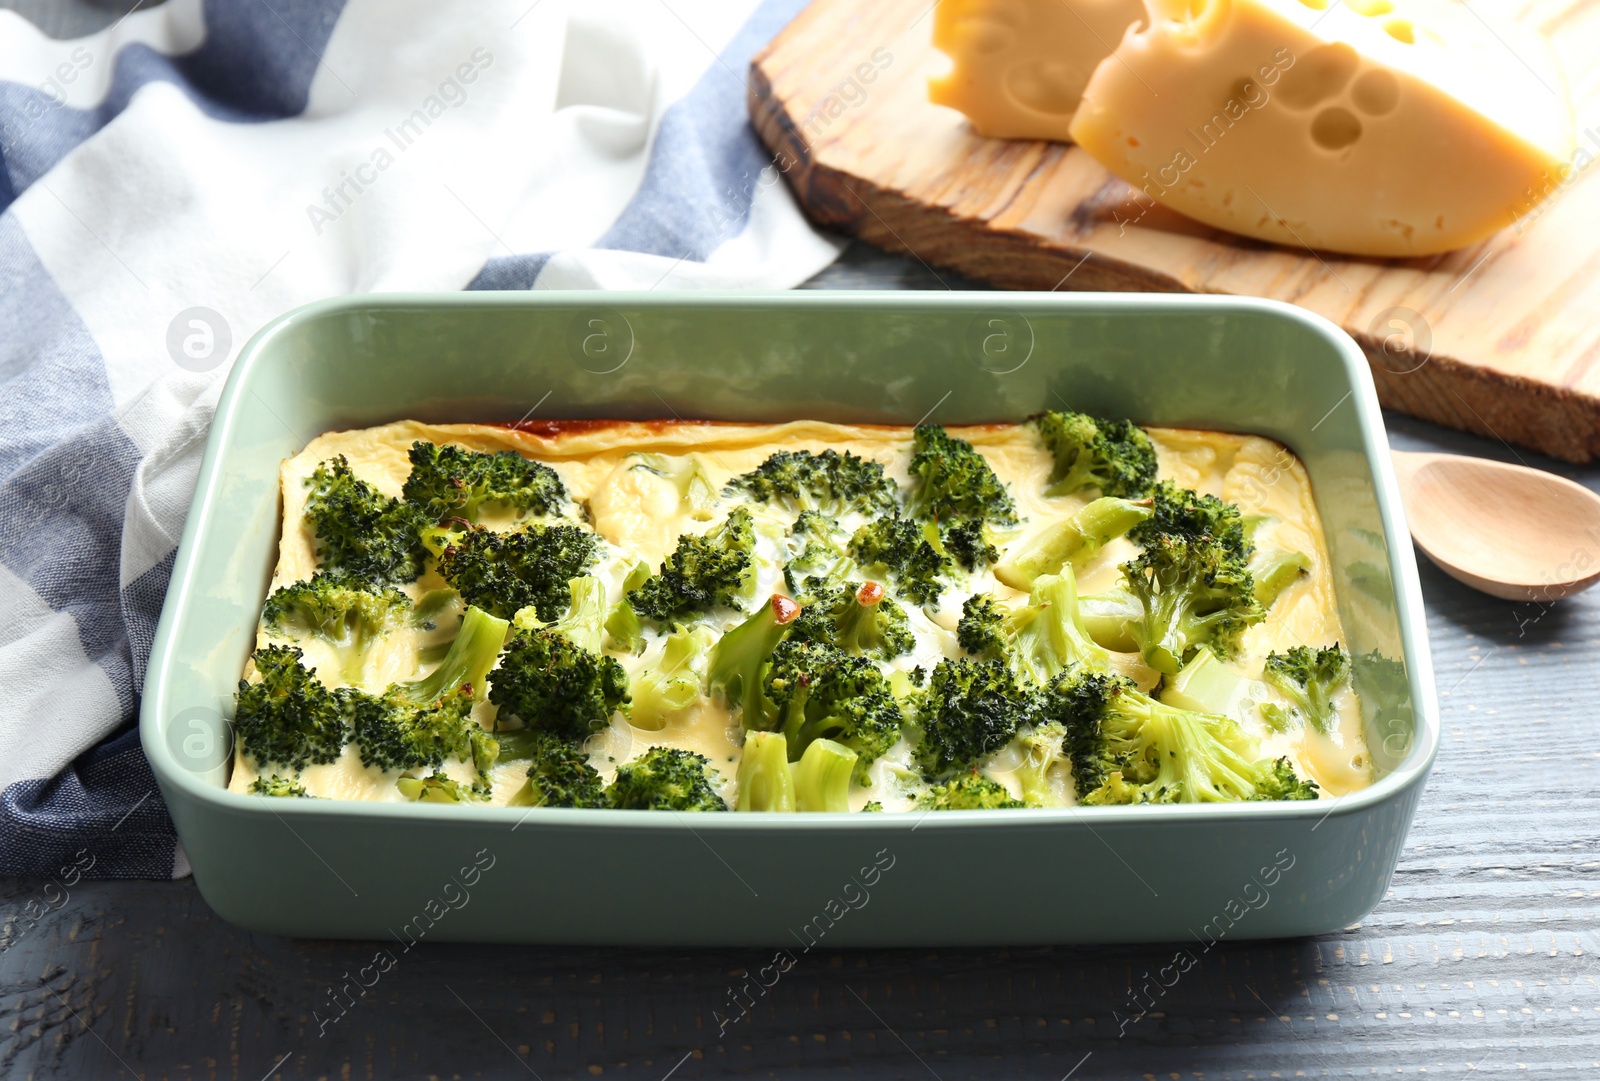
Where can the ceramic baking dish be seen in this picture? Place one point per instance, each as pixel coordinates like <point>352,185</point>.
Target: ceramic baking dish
<point>354,870</point>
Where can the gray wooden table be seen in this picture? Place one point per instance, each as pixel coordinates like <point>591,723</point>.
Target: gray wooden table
<point>1478,962</point>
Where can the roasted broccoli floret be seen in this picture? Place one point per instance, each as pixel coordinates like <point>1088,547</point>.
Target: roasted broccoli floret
<point>968,710</point>
<point>1126,747</point>
<point>392,732</point>
<point>822,777</point>
<point>1041,748</point>
<point>829,482</point>
<point>436,788</point>
<point>1308,678</point>
<point>1038,639</point>
<point>1280,781</point>
<point>897,548</point>
<point>981,629</point>
<point>714,568</point>
<point>505,572</point>
<point>347,612</point>
<point>818,554</point>
<point>560,776</point>
<point>452,482</point>
<point>666,779</point>
<point>696,494</point>
<point>1114,456</point>
<point>465,666</point>
<point>557,686</point>
<point>968,792</point>
<point>766,782</point>
<point>968,544</point>
<point>858,619</point>
<point>819,692</point>
<point>288,718</point>
<point>1192,593</point>
<point>1192,580</point>
<point>951,480</point>
<point>739,661</point>
<point>1069,541</point>
<point>279,786</point>
<point>1184,513</point>
<point>360,531</point>
<point>666,688</point>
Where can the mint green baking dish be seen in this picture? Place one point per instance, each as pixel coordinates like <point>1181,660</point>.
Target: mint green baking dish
<point>351,870</point>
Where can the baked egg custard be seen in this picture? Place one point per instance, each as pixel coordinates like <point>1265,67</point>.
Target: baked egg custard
<point>804,616</point>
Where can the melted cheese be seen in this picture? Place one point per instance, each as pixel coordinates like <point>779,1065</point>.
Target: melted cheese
<point>639,517</point>
<point>1374,127</point>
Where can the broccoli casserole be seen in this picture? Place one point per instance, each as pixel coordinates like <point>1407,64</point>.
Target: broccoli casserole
<point>798,617</point>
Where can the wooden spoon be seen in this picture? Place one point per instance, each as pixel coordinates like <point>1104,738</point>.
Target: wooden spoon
<point>1507,530</point>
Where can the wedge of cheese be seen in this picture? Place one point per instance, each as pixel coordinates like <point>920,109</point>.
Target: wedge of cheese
<point>1018,67</point>
<point>1372,127</point>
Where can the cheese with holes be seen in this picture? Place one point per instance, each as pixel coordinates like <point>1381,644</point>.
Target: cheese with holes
<point>1373,127</point>
<point>1018,67</point>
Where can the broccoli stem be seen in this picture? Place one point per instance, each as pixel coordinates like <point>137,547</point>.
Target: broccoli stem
<point>1106,616</point>
<point>822,777</point>
<point>1041,749</point>
<point>467,664</point>
<point>1274,571</point>
<point>1048,635</point>
<point>1164,640</point>
<point>858,623</point>
<point>1070,540</point>
<point>624,628</point>
<point>740,657</point>
<point>485,753</point>
<point>672,684</point>
<point>519,744</point>
<point>1207,685</point>
<point>353,660</point>
<point>765,781</point>
<point>585,618</point>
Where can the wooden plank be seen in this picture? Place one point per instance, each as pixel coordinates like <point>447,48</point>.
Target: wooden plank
<point>1502,339</point>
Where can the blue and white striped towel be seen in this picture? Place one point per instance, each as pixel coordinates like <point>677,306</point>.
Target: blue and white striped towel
<point>171,184</point>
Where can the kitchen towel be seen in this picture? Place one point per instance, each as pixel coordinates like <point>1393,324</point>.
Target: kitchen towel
<point>171,184</point>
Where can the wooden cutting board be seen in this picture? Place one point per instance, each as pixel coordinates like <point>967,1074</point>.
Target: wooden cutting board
<point>1502,339</point>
